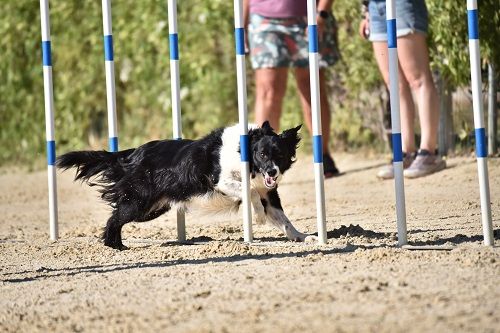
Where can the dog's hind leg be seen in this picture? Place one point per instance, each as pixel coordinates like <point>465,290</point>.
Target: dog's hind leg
<point>113,231</point>
<point>121,216</point>
<point>152,215</point>
<point>126,211</point>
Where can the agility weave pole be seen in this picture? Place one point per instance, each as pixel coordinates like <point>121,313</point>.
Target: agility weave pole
<point>109,64</point>
<point>239,34</point>
<point>49,117</point>
<point>481,148</point>
<point>176,99</point>
<point>392,49</point>
<point>316,120</point>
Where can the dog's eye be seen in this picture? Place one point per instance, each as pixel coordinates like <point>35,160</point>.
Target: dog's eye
<point>262,155</point>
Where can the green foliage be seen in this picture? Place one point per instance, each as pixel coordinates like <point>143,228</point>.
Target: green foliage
<point>354,110</point>
<point>140,34</point>
<point>448,37</point>
<point>207,66</point>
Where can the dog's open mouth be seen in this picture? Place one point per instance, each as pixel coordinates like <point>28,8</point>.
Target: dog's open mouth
<point>269,181</point>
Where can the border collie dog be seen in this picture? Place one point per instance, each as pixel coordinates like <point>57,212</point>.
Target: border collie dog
<point>142,183</point>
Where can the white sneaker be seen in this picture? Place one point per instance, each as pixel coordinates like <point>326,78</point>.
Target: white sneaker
<point>387,171</point>
<point>425,164</point>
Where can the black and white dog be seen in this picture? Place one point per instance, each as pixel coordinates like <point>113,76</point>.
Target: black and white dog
<point>142,183</point>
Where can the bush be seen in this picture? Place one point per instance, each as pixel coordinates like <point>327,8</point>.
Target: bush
<point>207,65</point>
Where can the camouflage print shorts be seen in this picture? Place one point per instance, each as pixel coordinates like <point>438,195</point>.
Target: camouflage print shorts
<point>282,42</point>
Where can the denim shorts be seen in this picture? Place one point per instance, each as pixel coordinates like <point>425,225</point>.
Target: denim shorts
<point>282,42</point>
<point>411,17</point>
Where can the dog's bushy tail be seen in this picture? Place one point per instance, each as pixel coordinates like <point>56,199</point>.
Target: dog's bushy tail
<point>110,166</point>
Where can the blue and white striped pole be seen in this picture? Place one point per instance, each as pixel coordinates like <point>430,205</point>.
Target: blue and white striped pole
<point>176,99</point>
<point>110,75</point>
<point>396,122</point>
<point>316,120</point>
<point>481,151</point>
<point>239,32</point>
<point>49,116</point>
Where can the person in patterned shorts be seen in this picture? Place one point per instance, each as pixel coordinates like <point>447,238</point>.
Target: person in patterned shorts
<point>277,38</point>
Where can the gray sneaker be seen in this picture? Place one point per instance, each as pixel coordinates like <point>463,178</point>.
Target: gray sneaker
<point>387,171</point>
<point>425,164</point>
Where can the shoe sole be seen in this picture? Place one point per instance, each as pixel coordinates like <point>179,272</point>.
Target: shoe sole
<point>440,167</point>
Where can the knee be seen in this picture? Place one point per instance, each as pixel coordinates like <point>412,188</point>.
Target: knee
<point>404,87</point>
<point>268,93</point>
<point>416,83</point>
<point>420,81</point>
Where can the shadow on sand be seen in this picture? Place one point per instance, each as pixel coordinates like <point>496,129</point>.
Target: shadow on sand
<point>351,230</point>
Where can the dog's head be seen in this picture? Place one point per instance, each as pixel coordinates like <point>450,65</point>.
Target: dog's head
<point>272,154</point>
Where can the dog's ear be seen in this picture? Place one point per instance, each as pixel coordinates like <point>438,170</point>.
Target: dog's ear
<point>254,135</point>
<point>267,127</point>
<point>291,136</point>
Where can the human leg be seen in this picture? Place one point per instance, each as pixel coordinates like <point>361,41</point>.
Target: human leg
<point>414,59</point>
<point>270,87</point>
<point>407,111</point>
<point>304,87</point>
<point>414,74</point>
<point>303,84</point>
<point>406,105</point>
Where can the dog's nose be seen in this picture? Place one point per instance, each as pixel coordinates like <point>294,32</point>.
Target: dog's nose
<point>272,172</point>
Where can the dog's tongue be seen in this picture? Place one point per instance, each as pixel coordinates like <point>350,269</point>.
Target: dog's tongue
<point>270,181</point>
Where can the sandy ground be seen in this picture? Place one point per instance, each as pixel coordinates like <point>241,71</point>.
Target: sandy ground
<point>359,282</point>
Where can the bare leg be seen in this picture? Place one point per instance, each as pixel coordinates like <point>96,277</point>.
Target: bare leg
<point>407,107</point>
<point>414,59</point>
<point>270,87</point>
<point>303,84</point>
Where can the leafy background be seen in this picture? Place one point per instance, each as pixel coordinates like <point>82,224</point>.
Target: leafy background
<point>207,66</point>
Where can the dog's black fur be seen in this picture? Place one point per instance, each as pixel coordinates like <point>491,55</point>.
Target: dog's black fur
<point>143,183</point>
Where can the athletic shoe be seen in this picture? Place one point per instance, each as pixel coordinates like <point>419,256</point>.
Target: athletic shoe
<point>425,164</point>
<point>387,171</point>
<point>329,168</point>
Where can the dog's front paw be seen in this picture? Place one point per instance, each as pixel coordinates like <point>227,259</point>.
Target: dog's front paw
<point>306,238</point>
<point>311,239</point>
<point>259,218</point>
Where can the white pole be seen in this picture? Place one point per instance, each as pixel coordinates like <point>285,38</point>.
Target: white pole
<point>239,32</point>
<point>316,120</point>
<point>176,99</point>
<point>481,150</point>
<point>492,109</point>
<point>396,122</point>
<point>49,117</point>
<point>110,75</point>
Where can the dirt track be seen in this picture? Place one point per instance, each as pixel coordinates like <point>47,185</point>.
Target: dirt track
<point>359,282</point>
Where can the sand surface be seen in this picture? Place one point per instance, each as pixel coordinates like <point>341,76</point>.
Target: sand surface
<point>359,282</point>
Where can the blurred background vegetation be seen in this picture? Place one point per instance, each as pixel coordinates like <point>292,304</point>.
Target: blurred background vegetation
<point>207,66</point>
